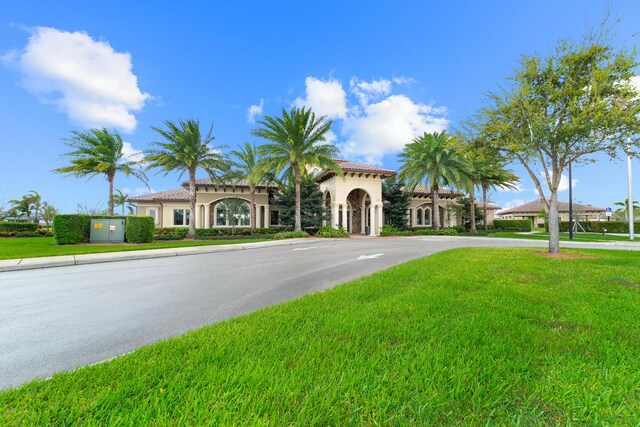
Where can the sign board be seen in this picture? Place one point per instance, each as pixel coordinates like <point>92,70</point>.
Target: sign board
<point>608,211</point>
<point>98,225</point>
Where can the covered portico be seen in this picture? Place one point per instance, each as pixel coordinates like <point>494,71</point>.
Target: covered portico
<point>354,202</point>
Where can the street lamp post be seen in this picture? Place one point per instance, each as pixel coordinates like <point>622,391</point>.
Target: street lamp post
<point>630,198</point>
<point>570,204</point>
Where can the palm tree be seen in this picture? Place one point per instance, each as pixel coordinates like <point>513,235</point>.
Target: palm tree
<point>185,149</point>
<point>120,199</point>
<point>494,175</point>
<point>623,211</point>
<point>430,159</point>
<point>99,152</point>
<point>21,207</point>
<point>297,141</point>
<point>246,166</point>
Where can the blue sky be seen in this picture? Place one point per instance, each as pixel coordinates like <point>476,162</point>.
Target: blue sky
<point>382,70</point>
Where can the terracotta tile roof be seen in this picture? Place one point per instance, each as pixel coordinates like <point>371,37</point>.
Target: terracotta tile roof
<point>421,190</point>
<point>536,206</point>
<point>241,183</point>
<point>349,166</point>
<point>177,195</point>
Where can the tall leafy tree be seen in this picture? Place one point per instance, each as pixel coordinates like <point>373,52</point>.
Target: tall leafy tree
<point>430,159</point>
<point>396,202</point>
<point>185,149</point>
<point>245,165</point>
<point>564,108</point>
<point>99,152</point>
<point>297,140</point>
<point>312,205</point>
<point>48,212</point>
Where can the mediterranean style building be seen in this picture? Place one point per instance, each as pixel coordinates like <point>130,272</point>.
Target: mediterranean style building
<point>534,211</point>
<point>353,201</point>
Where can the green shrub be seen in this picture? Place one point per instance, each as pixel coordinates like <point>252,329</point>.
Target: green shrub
<point>170,233</point>
<point>8,233</point>
<point>389,230</point>
<point>8,226</point>
<point>28,234</point>
<point>139,229</point>
<point>328,231</point>
<point>512,224</point>
<point>71,229</point>
<point>235,236</point>
<point>290,235</point>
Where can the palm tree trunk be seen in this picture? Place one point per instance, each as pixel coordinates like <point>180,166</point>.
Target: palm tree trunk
<point>252,195</point>
<point>472,211</point>
<point>192,203</point>
<point>298,219</point>
<point>110,177</point>
<point>435,210</point>
<point>484,204</point>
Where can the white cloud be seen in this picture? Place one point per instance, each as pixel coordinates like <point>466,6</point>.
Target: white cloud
<point>131,153</point>
<point>254,110</point>
<point>137,191</point>
<point>326,98</point>
<point>84,78</point>
<point>368,91</point>
<point>563,186</point>
<point>403,80</point>
<point>385,127</point>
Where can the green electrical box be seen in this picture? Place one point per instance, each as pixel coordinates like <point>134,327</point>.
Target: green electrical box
<point>107,231</point>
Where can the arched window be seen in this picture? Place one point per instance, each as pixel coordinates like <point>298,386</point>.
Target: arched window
<point>427,216</point>
<point>315,171</point>
<point>419,216</point>
<point>233,212</point>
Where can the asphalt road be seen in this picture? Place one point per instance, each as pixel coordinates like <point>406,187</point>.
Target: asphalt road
<point>61,318</point>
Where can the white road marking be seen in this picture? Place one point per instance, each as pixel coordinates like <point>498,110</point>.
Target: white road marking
<point>374,256</point>
<point>304,249</point>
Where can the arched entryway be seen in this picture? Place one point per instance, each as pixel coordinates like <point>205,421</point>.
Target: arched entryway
<point>230,212</point>
<point>359,212</point>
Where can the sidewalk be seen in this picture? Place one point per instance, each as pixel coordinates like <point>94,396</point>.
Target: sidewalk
<point>66,260</point>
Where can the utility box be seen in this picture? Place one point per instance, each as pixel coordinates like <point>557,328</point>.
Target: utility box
<point>107,231</point>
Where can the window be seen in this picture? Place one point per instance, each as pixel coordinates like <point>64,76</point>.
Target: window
<point>233,212</point>
<point>419,216</point>
<point>274,218</point>
<point>427,216</point>
<point>315,171</point>
<point>178,217</point>
<point>153,212</point>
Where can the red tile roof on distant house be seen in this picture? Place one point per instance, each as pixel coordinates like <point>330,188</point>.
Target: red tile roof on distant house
<point>535,206</point>
<point>241,183</point>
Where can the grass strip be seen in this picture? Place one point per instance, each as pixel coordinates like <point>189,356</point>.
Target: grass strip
<point>468,336</point>
<point>24,247</point>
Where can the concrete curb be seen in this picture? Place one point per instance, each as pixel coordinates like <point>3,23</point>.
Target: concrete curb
<point>614,244</point>
<point>96,258</point>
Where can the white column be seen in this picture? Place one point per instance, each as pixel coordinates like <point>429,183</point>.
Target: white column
<point>267,216</point>
<point>334,214</point>
<point>215,216</point>
<point>363,215</point>
<point>380,219</point>
<point>197,218</point>
<point>207,216</point>
<point>372,220</point>
<point>258,215</point>
<point>344,216</point>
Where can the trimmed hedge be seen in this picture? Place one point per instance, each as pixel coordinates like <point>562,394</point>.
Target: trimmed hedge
<point>71,229</point>
<point>328,231</point>
<point>17,227</point>
<point>139,229</point>
<point>598,226</point>
<point>389,230</point>
<point>290,235</point>
<point>512,224</point>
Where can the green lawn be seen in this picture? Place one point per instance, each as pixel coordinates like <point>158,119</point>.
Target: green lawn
<point>577,237</point>
<point>468,336</point>
<point>31,247</point>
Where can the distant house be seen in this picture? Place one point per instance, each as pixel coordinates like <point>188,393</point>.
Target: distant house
<point>531,210</point>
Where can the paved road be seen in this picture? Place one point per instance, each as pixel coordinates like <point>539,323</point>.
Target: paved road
<point>60,318</point>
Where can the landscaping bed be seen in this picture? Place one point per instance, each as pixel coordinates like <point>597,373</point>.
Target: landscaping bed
<point>468,336</point>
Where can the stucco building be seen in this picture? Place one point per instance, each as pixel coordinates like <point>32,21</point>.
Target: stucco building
<point>354,201</point>
<point>533,211</point>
